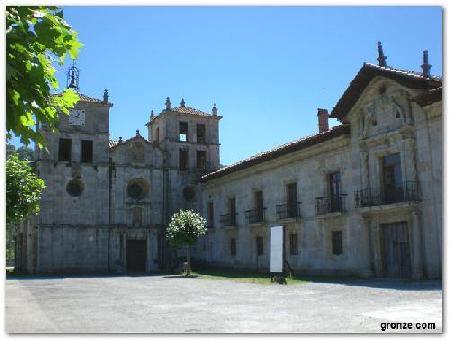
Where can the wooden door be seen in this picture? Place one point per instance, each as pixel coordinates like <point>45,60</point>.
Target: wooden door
<point>136,255</point>
<point>396,251</point>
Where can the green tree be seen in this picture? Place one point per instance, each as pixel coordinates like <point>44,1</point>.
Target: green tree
<point>23,190</point>
<point>184,229</point>
<point>24,152</point>
<point>23,194</point>
<point>35,38</point>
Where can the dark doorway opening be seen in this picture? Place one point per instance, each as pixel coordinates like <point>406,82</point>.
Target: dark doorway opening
<point>136,255</point>
<point>396,253</point>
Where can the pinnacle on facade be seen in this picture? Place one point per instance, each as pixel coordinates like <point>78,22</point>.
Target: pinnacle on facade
<point>214,110</point>
<point>182,103</point>
<point>425,65</point>
<point>381,57</point>
<point>105,96</point>
<point>168,104</point>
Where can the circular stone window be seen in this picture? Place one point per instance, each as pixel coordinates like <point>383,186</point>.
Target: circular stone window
<point>75,187</point>
<point>137,189</point>
<point>189,193</point>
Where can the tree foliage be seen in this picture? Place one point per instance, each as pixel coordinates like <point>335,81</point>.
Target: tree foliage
<point>23,190</point>
<point>185,227</point>
<point>23,152</point>
<point>35,38</point>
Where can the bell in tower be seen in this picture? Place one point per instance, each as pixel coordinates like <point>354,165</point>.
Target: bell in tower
<point>73,77</point>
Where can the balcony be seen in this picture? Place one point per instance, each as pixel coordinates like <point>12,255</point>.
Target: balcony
<point>255,216</point>
<point>288,210</point>
<point>330,204</point>
<point>228,219</point>
<point>407,192</point>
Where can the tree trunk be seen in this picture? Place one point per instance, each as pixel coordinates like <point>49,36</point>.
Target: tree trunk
<point>188,270</point>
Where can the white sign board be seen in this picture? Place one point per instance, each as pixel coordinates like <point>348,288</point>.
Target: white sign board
<point>276,249</point>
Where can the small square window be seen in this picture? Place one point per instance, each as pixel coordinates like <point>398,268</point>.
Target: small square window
<point>233,247</point>
<point>183,135</point>
<point>184,159</point>
<point>87,147</point>
<point>337,242</point>
<point>293,244</point>
<point>259,246</point>
<point>65,150</point>
<point>201,133</point>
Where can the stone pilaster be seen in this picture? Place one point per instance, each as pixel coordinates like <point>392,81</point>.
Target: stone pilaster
<point>416,259</point>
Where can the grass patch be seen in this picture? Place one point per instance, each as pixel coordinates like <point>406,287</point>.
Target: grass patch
<point>241,276</point>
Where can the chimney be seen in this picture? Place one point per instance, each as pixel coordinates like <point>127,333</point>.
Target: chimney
<point>322,115</point>
<point>425,66</point>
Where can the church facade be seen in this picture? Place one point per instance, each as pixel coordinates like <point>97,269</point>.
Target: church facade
<point>363,198</point>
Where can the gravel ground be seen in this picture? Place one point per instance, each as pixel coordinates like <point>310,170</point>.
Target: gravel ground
<point>168,304</point>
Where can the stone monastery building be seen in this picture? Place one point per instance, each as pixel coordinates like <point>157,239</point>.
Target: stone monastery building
<point>363,198</point>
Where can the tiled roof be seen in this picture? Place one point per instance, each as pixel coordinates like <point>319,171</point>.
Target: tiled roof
<point>368,71</point>
<point>429,97</point>
<point>279,151</point>
<point>84,98</point>
<point>190,110</point>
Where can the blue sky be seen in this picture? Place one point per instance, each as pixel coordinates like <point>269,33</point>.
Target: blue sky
<point>267,68</point>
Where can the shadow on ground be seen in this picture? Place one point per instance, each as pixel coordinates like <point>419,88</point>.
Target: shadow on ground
<point>381,283</point>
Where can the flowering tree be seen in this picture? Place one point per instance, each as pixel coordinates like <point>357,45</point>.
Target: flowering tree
<point>184,229</point>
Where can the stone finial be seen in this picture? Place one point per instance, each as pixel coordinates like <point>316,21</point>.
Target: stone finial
<point>120,139</point>
<point>137,132</point>
<point>151,115</point>
<point>105,96</point>
<point>168,104</point>
<point>214,110</point>
<point>425,66</point>
<point>182,103</point>
<point>381,57</point>
<point>322,115</point>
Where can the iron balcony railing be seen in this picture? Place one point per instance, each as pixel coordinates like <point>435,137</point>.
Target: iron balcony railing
<point>228,219</point>
<point>255,216</point>
<point>330,204</point>
<point>406,192</point>
<point>288,210</point>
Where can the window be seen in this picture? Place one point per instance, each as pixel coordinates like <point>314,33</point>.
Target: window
<point>291,191</point>
<point>392,178</point>
<point>201,133</point>
<point>337,242</point>
<point>334,189</point>
<point>87,147</point>
<point>184,159</point>
<point>157,135</point>
<point>334,184</point>
<point>210,214</point>
<point>233,247</point>
<point>183,135</point>
<point>75,187</point>
<point>232,210</point>
<point>65,150</point>
<point>259,205</point>
<point>201,160</point>
<point>259,245</point>
<point>293,244</point>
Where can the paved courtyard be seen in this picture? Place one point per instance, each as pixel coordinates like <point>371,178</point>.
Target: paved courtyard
<point>159,304</point>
